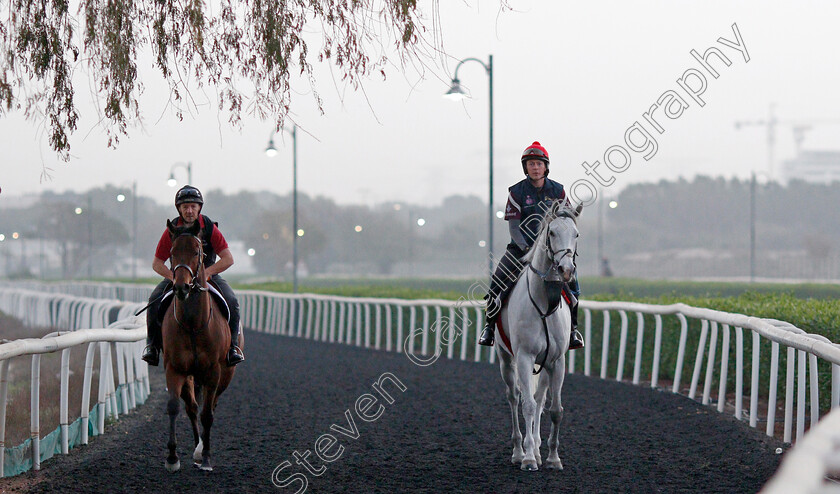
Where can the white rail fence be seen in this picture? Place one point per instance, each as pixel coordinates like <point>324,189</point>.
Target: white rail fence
<point>730,358</point>
<point>721,344</point>
<point>120,344</point>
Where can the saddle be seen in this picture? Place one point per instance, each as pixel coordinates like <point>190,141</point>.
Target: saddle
<point>555,289</point>
<point>214,292</point>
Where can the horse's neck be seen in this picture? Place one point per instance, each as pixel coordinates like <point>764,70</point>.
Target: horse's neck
<point>193,312</point>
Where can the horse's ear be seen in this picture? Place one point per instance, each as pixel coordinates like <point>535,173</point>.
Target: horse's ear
<point>170,227</point>
<point>556,207</point>
<point>578,209</point>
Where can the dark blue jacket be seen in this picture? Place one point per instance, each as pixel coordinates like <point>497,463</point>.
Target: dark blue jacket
<point>529,204</point>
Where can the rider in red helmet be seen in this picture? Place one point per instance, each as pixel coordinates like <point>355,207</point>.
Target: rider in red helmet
<point>188,202</point>
<point>527,203</point>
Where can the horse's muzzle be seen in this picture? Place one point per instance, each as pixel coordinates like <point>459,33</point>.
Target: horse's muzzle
<point>182,291</point>
<point>566,272</point>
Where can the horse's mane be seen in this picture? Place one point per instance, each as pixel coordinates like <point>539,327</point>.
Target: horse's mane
<point>554,211</point>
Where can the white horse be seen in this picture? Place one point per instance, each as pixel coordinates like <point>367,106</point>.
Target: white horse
<point>538,333</point>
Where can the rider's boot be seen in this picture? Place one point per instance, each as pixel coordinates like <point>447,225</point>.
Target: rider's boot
<point>487,337</point>
<point>154,336</point>
<point>234,355</point>
<point>576,340</point>
<point>151,354</point>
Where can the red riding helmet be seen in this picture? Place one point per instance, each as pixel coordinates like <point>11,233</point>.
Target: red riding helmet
<point>535,152</point>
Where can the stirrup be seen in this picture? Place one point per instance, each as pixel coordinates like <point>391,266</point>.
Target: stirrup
<point>576,340</point>
<point>151,355</point>
<point>487,337</point>
<point>234,356</point>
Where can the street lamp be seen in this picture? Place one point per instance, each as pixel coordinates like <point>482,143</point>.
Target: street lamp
<point>22,268</point>
<point>121,198</point>
<point>271,152</point>
<point>90,233</point>
<point>187,166</point>
<point>3,239</point>
<point>419,221</point>
<point>754,182</point>
<point>612,205</point>
<point>456,92</point>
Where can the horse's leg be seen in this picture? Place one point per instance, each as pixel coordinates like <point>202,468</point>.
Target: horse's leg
<point>524,369</point>
<point>191,407</point>
<point>539,397</point>
<point>174,382</point>
<point>556,375</point>
<point>512,392</point>
<point>206,424</point>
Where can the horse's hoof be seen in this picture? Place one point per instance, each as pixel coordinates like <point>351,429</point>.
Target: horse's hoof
<point>173,467</point>
<point>205,467</point>
<point>199,449</point>
<point>529,466</point>
<point>516,459</point>
<point>554,465</point>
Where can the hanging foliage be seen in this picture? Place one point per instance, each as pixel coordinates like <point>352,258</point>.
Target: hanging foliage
<point>245,51</point>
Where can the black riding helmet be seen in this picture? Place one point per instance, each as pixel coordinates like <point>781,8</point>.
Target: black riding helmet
<point>186,194</point>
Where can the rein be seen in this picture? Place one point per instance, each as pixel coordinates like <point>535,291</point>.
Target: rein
<point>543,275</point>
<point>543,316</point>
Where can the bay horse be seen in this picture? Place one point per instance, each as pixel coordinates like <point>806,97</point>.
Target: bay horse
<point>196,339</point>
<point>535,327</point>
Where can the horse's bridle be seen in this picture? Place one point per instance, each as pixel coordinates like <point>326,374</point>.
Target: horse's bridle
<point>555,263</point>
<point>194,285</point>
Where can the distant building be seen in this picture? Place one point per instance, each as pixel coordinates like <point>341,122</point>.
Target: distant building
<point>817,167</point>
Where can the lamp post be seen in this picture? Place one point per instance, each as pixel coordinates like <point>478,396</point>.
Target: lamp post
<point>23,267</point>
<point>456,92</point>
<point>90,236</point>
<point>612,204</point>
<point>6,253</point>
<point>420,221</point>
<point>754,183</point>
<point>271,152</point>
<point>121,198</point>
<point>3,239</point>
<point>187,166</point>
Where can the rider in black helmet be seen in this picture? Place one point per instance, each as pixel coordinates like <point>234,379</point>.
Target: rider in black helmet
<point>527,203</point>
<point>188,202</point>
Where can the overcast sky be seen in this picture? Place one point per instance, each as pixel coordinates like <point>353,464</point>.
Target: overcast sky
<point>573,75</point>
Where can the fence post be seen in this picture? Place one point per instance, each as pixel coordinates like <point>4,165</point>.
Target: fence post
<point>34,412</point>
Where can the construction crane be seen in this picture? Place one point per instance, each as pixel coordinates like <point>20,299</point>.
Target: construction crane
<point>799,128</point>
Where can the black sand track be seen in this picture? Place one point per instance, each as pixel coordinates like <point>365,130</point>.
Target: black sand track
<point>434,437</point>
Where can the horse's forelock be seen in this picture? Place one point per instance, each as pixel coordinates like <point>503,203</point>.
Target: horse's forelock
<point>182,233</point>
